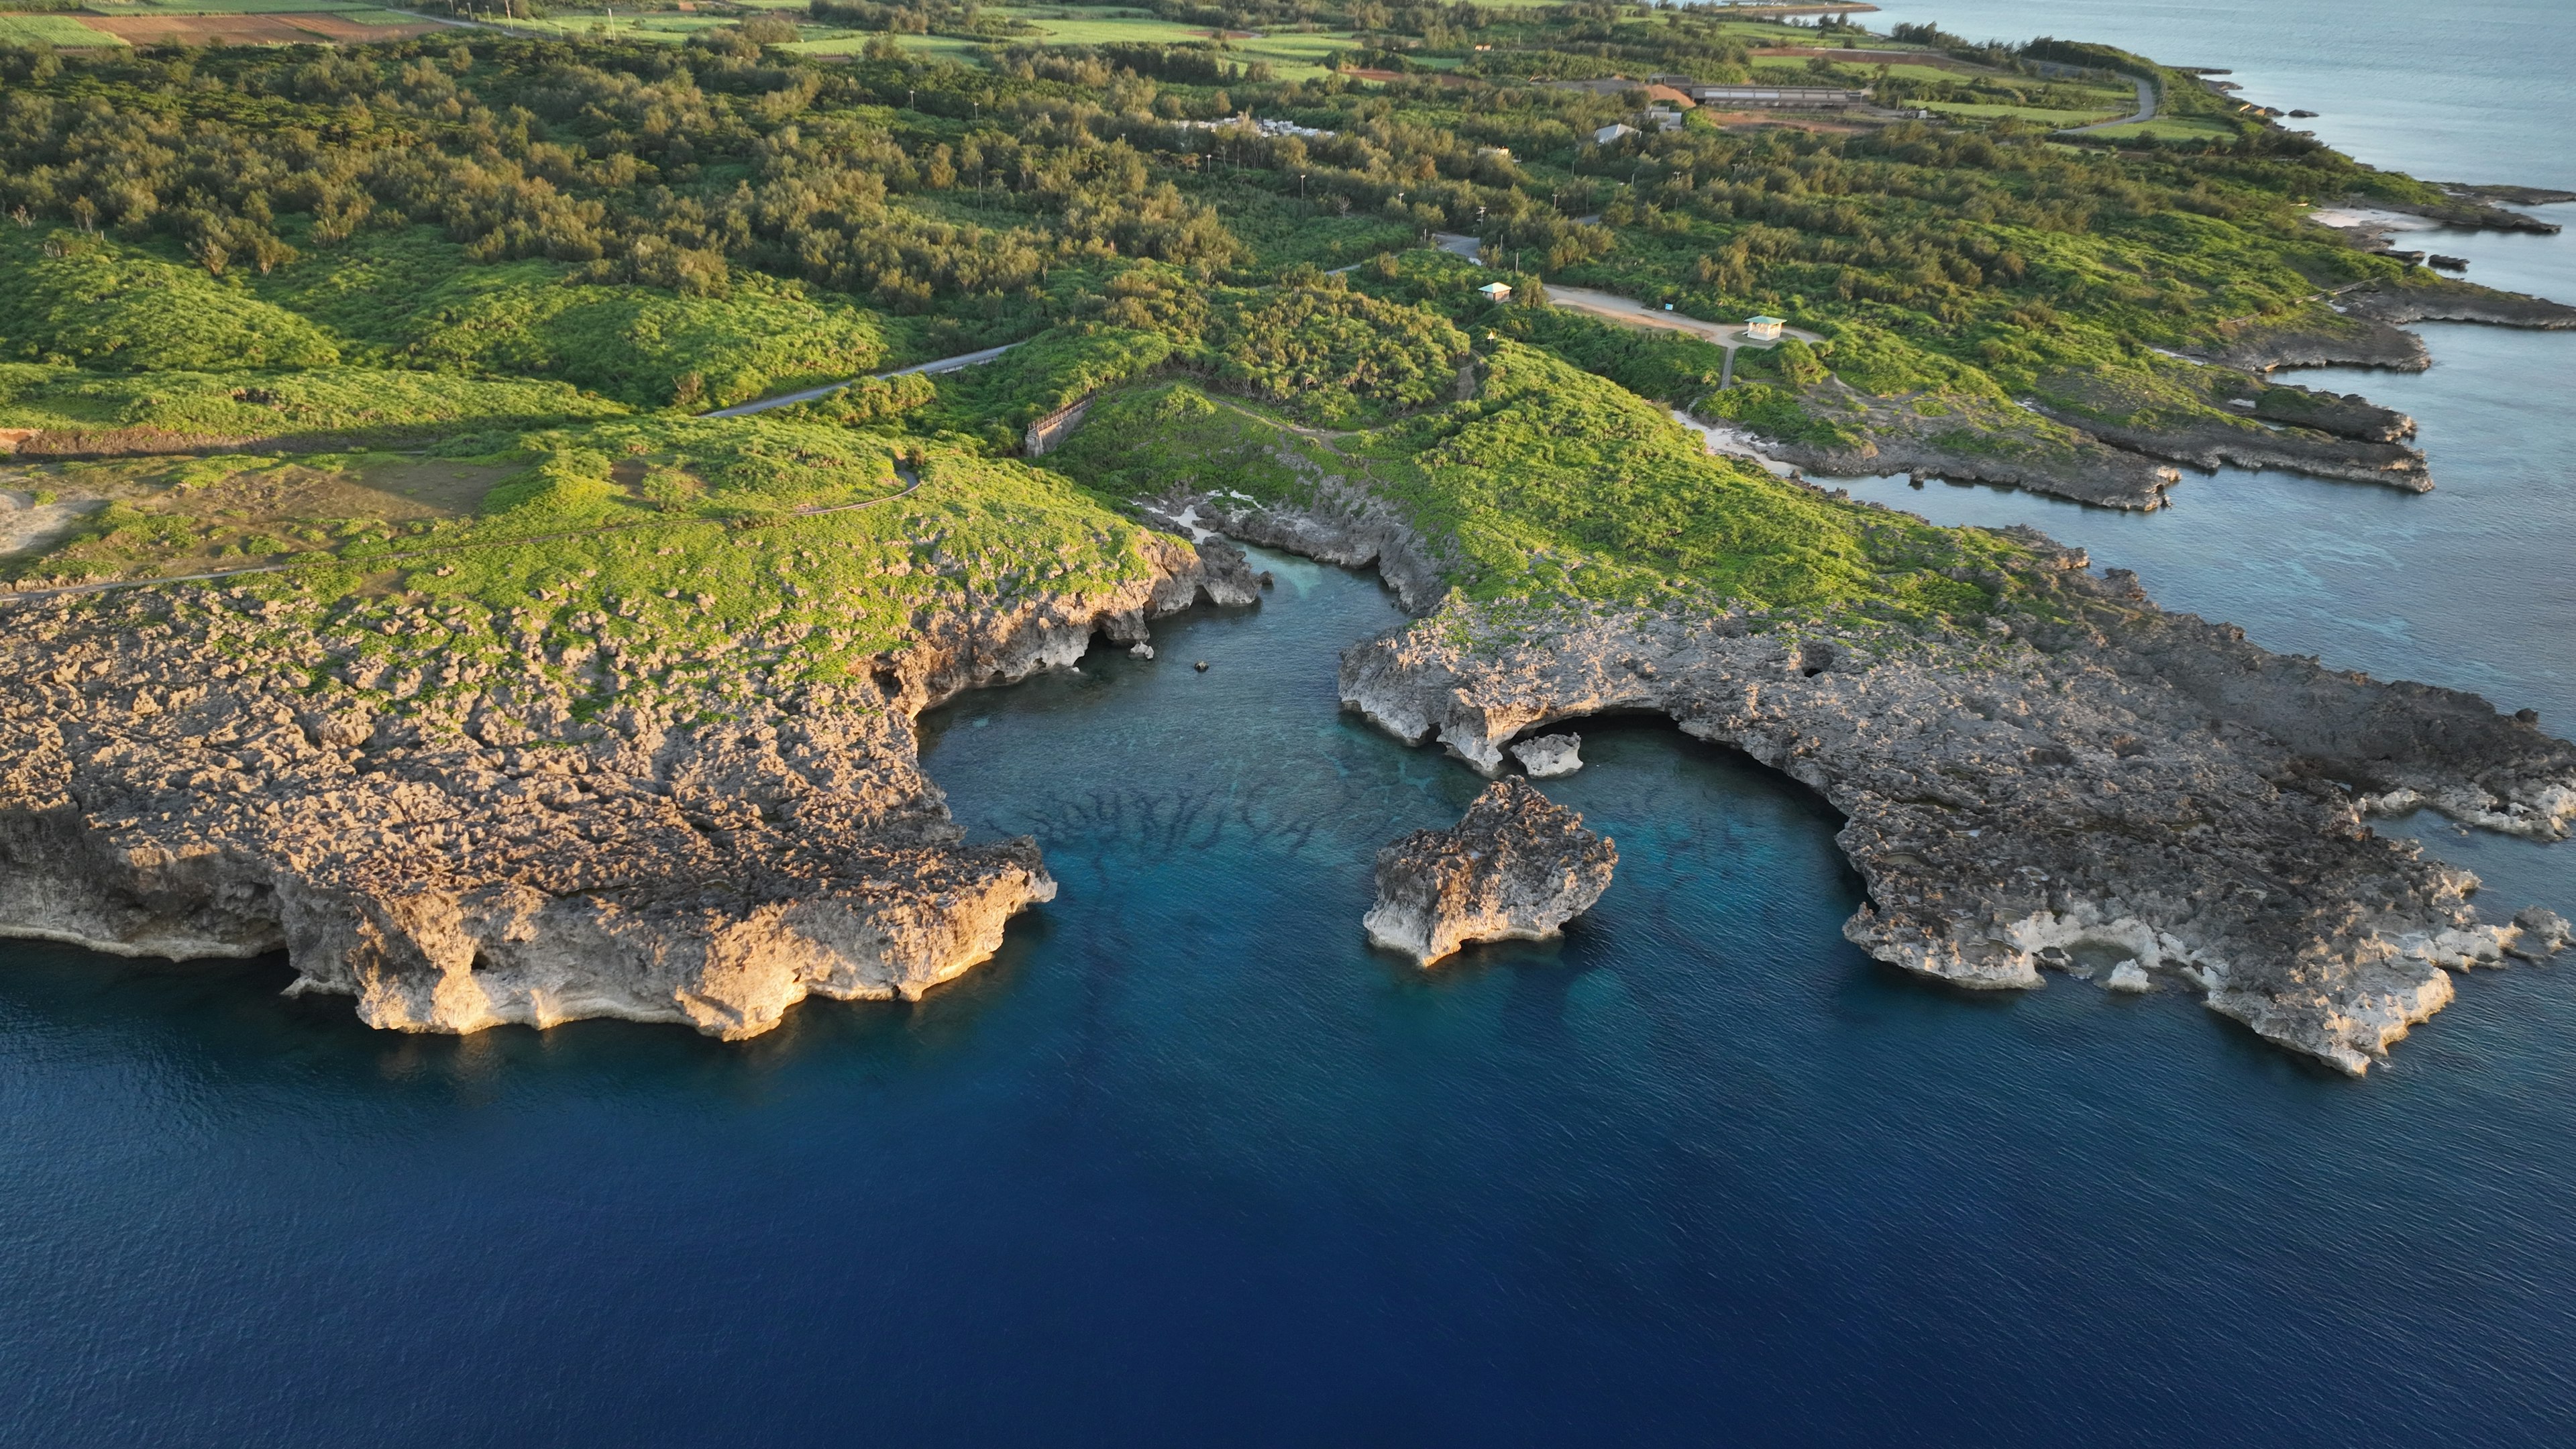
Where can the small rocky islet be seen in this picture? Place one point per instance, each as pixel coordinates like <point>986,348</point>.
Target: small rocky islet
<point>1516,867</point>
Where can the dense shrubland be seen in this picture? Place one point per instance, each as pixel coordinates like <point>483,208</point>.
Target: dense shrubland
<point>537,252</point>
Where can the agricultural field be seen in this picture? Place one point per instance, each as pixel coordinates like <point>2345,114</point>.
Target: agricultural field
<point>109,23</point>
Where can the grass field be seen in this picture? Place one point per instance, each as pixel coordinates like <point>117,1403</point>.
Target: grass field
<point>2055,119</point>
<point>60,31</point>
<point>937,47</point>
<point>669,29</point>
<point>2170,128</point>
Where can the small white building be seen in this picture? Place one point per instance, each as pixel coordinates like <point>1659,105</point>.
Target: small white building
<point>1496,292</point>
<point>1612,132</point>
<point>1763,329</point>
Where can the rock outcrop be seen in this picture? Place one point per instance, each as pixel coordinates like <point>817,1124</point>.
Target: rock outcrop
<point>2344,414</point>
<point>1548,756</point>
<point>2318,337</point>
<point>175,782</point>
<point>1981,442</point>
<point>2095,774</point>
<point>2208,442</point>
<point>1516,868</point>
<point>2440,300</point>
<point>1342,524</point>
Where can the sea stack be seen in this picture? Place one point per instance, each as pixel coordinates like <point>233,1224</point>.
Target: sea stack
<point>1517,867</point>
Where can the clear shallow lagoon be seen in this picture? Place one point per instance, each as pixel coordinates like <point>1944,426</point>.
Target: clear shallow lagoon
<point>1189,1163</point>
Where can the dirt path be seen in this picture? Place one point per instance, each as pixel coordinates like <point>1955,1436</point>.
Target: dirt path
<point>1628,312</point>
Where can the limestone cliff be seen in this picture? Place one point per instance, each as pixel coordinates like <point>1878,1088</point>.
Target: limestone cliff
<point>2132,779</point>
<point>175,781</point>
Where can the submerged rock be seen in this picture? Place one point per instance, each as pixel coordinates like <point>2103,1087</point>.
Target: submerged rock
<point>1549,756</point>
<point>1517,867</point>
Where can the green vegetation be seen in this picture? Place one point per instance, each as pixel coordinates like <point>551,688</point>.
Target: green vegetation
<point>529,261</point>
<point>88,411</point>
<point>77,300</point>
<point>57,30</point>
<point>1554,483</point>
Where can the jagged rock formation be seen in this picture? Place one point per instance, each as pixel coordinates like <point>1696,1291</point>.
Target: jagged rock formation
<point>1343,525</point>
<point>1516,868</point>
<point>1548,756</point>
<point>171,784</point>
<point>2318,337</point>
<point>2441,300</point>
<point>1985,443</point>
<point>2108,776</point>
<point>2111,452</point>
<point>2207,442</point>
<point>2344,414</point>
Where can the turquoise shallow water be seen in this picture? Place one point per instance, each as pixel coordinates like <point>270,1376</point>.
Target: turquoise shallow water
<point>1189,1163</point>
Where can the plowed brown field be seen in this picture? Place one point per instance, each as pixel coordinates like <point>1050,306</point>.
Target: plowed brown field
<point>248,29</point>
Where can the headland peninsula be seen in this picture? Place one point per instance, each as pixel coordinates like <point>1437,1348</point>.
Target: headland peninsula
<point>487,505</point>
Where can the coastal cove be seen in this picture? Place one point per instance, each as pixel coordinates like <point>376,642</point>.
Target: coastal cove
<point>1188,1149</point>
<point>1187,1159</point>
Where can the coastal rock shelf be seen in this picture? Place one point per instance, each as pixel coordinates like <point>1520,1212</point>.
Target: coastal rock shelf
<point>2110,439</point>
<point>2116,778</point>
<point>169,790</point>
<point>1516,868</point>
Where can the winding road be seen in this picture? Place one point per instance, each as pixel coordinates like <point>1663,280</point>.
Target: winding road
<point>2146,111</point>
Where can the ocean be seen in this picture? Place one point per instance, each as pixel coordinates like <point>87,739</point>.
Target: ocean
<point>1189,1163</point>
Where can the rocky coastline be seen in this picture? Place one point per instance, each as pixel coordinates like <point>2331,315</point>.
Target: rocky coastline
<point>2207,443</point>
<point>2101,779</point>
<point>2121,454</point>
<point>455,862</point>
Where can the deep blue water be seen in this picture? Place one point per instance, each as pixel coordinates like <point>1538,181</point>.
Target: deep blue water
<point>1188,1163</point>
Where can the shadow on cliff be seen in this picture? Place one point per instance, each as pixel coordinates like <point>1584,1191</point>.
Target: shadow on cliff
<point>217,1021</point>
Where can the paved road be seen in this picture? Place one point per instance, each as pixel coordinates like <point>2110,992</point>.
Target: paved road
<point>2146,111</point>
<point>958,363</point>
<point>1458,245</point>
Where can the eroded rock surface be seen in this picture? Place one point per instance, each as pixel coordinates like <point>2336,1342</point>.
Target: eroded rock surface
<point>190,772</point>
<point>1517,867</point>
<point>1548,756</point>
<point>2117,778</point>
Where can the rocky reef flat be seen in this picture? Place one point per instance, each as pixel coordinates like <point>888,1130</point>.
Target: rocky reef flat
<point>2097,780</point>
<point>192,771</point>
